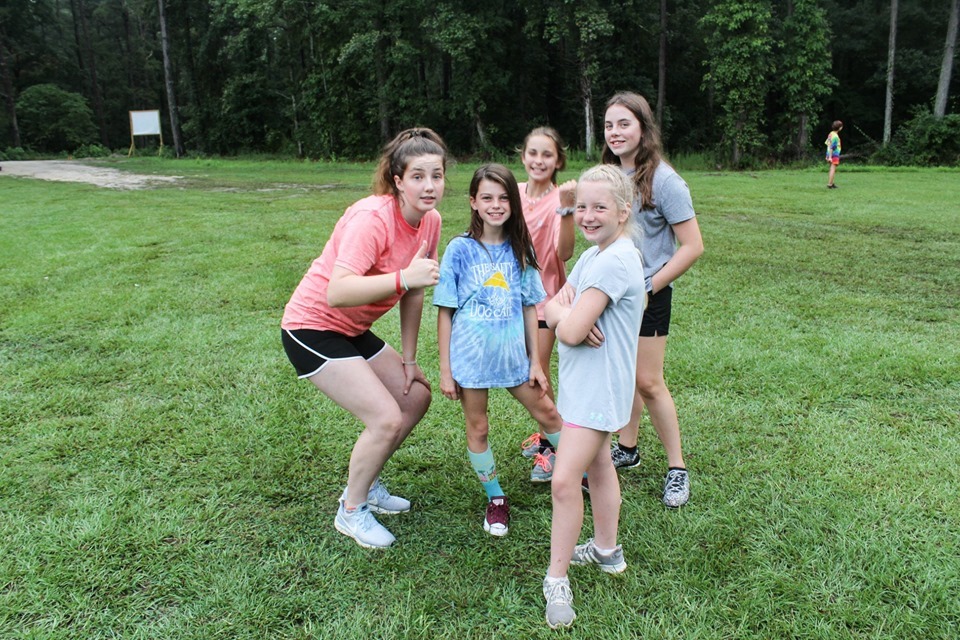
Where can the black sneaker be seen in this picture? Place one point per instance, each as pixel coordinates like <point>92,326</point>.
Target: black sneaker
<point>622,459</point>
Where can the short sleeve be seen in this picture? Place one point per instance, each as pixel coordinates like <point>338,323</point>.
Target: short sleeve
<point>362,241</point>
<point>673,200</point>
<point>445,293</point>
<point>531,288</point>
<point>609,274</point>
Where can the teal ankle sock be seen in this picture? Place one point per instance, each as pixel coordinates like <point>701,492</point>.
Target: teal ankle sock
<point>554,439</point>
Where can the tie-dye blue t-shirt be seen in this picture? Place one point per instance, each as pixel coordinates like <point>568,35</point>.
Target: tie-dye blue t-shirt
<point>484,284</point>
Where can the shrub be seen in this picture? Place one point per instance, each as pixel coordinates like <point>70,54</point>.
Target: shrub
<point>91,151</point>
<point>52,119</point>
<point>924,140</point>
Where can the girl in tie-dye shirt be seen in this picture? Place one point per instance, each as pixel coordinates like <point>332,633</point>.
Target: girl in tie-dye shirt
<point>487,325</point>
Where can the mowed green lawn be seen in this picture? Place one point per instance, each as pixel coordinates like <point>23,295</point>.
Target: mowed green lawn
<point>165,475</point>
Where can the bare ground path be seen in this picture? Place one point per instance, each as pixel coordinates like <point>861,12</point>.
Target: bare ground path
<point>76,171</point>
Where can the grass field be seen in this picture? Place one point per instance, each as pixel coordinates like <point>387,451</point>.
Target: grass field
<point>164,475</point>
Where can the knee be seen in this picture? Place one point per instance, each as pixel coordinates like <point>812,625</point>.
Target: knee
<point>651,386</point>
<point>390,427</point>
<point>565,488</point>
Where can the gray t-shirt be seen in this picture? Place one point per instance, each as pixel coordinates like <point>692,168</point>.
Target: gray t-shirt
<point>597,385</point>
<point>672,205</point>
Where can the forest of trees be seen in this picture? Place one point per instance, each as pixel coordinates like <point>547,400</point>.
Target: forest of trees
<point>751,81</point>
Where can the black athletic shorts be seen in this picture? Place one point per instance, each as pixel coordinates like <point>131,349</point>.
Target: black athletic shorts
<point>656,317</point>
<point>310,350</point>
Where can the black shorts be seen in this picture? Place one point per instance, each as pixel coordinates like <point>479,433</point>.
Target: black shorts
<point>542,324</point>
<point>656,317</point>
<point>310,350</point>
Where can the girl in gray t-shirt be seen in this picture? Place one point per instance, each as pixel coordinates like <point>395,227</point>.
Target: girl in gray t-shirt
<point>597,319</point>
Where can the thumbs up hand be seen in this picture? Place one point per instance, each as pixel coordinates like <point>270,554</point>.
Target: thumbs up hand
<point>422,271</point>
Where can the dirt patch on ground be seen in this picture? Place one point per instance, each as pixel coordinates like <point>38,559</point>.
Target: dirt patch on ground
<point>75,171</point>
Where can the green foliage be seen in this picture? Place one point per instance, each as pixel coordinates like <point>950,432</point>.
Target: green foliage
<point>52,119</point>
<point>91,151</point>
<point>739,70</point>
<point>13,153</point>
<point>924,140</point>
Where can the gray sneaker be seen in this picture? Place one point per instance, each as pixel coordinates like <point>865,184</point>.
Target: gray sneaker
<point>676,488</point>
<point>543,466</point>
<point>531,446</point>
<point>588,554</point>
<point>622,459</point>
<point>362,527</point>
<point>380,501</point>
<point>559,598</point>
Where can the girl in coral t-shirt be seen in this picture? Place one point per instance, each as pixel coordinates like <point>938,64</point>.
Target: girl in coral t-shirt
<point>382,253</point>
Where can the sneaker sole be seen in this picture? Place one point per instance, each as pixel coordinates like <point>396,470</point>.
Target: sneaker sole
<point>541,480</point>
<point>606,568</point>
<point>374,508</point>
<point>365,545</point>
<point>494,532</point>
<point>675,506</point>
<point>560,625</point>
<point>629,466</point>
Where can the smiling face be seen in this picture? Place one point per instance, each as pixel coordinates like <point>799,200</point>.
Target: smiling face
<point>622,133</point>
<point>420,189</point>
<point>540,159</point>
<point>492,204</point>
<point>597,214</point>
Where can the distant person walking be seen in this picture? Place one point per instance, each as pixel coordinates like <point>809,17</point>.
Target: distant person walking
<point>833,151</point>
<point>382,253</point>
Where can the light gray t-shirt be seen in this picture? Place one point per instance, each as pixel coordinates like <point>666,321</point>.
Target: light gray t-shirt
<point>672,205</point>
<point>597,385</point>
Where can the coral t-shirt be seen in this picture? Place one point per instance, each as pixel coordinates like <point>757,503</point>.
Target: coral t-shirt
<point>543,223</point>
<point>371,238</point>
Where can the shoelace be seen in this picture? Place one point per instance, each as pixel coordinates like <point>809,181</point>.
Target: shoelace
<point>531,441</point>
<point>543,462</point>
<point>497,511</point>
<point>674,483</point>
<point>559,593</point>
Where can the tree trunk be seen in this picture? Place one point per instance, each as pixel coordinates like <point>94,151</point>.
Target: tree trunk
<point>891,54</point>
<point>94,79</point>
<point>946,69</point>
<point>9,101</point>
<point>662,66</point>
<point>168,79</point>
<point>586,94</point>
<point>802,137</point>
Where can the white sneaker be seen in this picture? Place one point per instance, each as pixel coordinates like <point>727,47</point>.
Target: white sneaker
<point>559,598</point>
<point>380,501</point>
<point>360,525</point>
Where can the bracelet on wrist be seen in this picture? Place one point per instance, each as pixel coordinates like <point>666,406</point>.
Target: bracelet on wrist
<point>403,281</point>
<point>563,212</point>
<point>408,363</point>
<point>397,284</point>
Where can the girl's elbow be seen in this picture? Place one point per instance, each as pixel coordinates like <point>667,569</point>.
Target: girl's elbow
<point>565,336</point>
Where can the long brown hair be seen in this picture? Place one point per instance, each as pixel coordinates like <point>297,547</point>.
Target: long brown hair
<point>515,227</point>
<point>548,132</point>
<point>409,144</point>
<point>649,153</point>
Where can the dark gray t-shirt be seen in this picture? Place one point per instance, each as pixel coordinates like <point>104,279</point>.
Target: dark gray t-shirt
<point>672,205</point>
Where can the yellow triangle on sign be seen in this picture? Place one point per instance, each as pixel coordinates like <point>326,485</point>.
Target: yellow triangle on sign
<point>497,280</point>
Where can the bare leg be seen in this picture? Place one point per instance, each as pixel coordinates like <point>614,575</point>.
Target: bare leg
<point>474,403</point>
<point>373,392</point>
<point>833,170</point>
<point>653,391</point>
<point>547,338</point>
<point>541,409</point>
<point>578,450</point>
